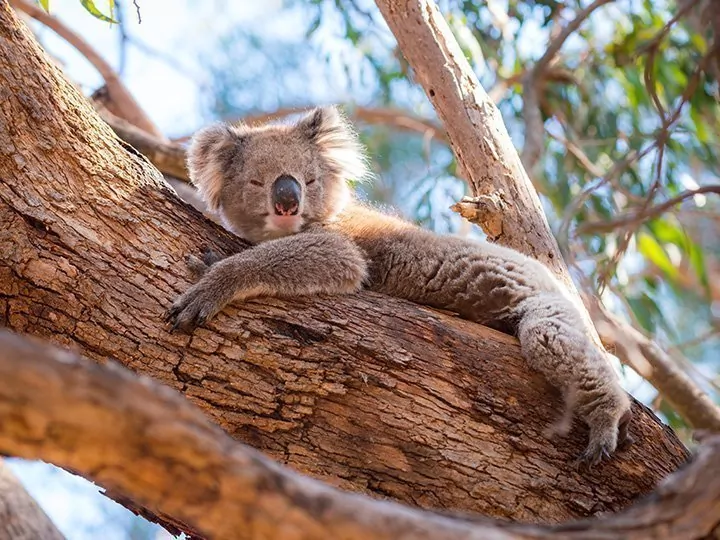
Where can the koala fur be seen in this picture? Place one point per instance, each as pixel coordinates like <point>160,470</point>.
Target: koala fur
<point>328,243</point>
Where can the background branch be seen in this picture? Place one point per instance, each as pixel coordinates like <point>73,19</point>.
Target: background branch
<point>129,108</point>
<point>647,213</point>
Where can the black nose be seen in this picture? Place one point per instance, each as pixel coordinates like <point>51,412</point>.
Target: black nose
<point>286,196</point>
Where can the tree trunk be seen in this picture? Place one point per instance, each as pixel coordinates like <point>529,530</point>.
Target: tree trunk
<point>369,393</point>
<point>20,516</point>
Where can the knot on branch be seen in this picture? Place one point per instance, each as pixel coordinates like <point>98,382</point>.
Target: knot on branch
<point>484,210</point>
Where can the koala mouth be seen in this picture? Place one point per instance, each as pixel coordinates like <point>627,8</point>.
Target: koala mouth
<point>284,224</point>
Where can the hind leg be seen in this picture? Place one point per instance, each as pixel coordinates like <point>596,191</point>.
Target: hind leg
<point>555,342</point>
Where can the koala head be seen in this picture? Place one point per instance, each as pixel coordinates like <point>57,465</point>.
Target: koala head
<point>273,180</point>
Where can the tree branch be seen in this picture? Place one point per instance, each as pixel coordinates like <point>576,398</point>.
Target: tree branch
<point>657,367</point>
<point>144,440</point>
<point>532,83</point>
<point>569,29</point>
<point>20,516</point>
<point>395,118</point>
<point>123,99</point>
<point>647,213</point>
<point>168,157</point>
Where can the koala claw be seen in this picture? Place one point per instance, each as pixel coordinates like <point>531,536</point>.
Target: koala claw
<point>200,265</point>
<point>191,310</point>
<point>593,455</point>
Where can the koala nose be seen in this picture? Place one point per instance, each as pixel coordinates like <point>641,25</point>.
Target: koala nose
<point>286,195</point>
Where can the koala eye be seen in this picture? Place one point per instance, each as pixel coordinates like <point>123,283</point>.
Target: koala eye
<point>256,183</point>
<point>311,181</point>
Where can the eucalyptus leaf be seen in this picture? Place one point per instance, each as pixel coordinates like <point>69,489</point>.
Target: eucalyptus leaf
<point>91,8</point>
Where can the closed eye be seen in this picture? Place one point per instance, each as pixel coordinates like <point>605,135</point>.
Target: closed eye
<point>311,181</point>
<point>256,183</point>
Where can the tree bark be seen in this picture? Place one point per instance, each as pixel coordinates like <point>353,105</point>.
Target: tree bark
<point>367,392</point>
<point>145,440</point>
<point>20,516</point>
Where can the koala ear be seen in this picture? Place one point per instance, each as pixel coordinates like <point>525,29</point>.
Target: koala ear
<point>319,121</point>
<point>336,140</point>
<point>211,156</point>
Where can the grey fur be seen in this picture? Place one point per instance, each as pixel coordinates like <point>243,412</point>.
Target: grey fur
<point>337,246</point>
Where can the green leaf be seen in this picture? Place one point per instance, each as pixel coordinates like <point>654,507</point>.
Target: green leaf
<point>45,4</point>
<point>654,252</point>
<point>91,8</point>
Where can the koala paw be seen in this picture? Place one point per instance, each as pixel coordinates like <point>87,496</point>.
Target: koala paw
<point>605,439</point>
<point>193,309</point>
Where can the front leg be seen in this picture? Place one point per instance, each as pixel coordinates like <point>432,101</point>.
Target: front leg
<point>299,265</point>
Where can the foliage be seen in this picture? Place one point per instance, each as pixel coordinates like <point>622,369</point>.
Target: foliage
<point>90,7</point>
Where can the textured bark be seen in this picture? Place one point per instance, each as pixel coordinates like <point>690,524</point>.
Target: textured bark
<point>370,393</point>
<point>505,203</point>
<point>147,441</point>
<point>20,516</point>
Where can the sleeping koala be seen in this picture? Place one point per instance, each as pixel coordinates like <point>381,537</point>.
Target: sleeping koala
<point>284,188</point>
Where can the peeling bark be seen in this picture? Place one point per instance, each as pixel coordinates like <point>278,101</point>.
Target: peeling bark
<point>370,393</point>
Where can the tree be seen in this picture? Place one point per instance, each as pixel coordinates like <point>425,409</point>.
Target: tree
<point>110,232</point>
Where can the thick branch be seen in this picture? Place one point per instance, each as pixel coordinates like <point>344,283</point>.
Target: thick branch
<point>137,437</point>
<point>123,99</point>
<point>475,129</point>
<point>505,204</point>
<point>372,393</point>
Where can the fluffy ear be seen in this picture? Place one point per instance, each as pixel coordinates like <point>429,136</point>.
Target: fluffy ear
<point>337,141</point>
<point>211,156</point>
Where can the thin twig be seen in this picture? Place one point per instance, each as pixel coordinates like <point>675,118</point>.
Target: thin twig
<point>556,44</point>
<point>643,215</point>
<point>137,10</point>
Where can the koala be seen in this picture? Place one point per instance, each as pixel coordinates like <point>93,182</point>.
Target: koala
<point>285,189</point>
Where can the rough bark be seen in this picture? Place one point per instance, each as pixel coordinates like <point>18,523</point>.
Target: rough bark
<point>370,393</point>
<point>505,203</point>
<point>138,437</point>
<point>20,516</point>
